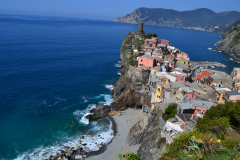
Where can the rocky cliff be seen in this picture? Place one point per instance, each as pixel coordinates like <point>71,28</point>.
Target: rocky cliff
<point>230,42</point>
<point>202,18</point>
<point>125,94</point>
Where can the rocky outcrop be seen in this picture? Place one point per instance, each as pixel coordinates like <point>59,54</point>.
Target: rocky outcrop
<point>201,18</point>
<point>230,43</point>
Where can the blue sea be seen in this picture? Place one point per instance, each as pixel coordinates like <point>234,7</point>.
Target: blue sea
<point>53,71</point>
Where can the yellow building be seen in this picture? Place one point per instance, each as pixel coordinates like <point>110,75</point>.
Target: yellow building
<point>159,89</point>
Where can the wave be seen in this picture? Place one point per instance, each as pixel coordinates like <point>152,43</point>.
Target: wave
<point>103,136</point>
<point>82,114</point>
<point>84,99</point>
<point>109,86</point>
<point>119,73</point>
<point>117,65</point>
<point>231,59</point>
<point>210,49</point>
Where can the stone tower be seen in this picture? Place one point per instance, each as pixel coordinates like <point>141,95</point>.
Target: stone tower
<point>140,26</point>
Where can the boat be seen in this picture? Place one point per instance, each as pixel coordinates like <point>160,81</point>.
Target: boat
<point>212,67</point>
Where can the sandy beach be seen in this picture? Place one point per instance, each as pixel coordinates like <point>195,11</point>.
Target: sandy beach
<point>121,125</point>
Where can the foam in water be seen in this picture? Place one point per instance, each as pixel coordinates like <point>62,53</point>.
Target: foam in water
<point>210,49</point>
<point>84,99</point>
<point>109,86</point>
<point>119,73</point>
<point>105,132</point>
<point>117,65</point>
<point>230,59</point>
<point>104,138</point>
<point>82,114</point>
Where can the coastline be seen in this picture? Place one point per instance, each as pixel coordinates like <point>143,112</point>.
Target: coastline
<point>103,148</point>
<point>121,126</point>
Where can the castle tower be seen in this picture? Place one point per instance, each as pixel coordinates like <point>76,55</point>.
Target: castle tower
<point>140,26</point>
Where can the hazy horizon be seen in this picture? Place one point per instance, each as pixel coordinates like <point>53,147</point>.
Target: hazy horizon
<point>105,9</point>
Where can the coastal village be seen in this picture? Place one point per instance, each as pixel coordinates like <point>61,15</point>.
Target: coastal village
<point>157,76</point>
<point>175,81</point>
<point>181,89</point>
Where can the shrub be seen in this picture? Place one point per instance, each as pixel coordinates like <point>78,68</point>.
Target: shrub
<point>231,143</point>
<point>132,156</point>
<point>161,141</point>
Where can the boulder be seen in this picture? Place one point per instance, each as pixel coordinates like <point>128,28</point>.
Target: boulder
<point>86,149</point>
<point>79,141</point>
<point>69,153</point>
<point>81,137</point>
<point>97,145</point>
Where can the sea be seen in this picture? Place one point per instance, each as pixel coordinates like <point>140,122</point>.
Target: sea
<point>54,70</point>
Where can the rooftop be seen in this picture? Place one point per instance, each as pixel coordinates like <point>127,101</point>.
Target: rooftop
<point>147,56</point>
<point>232,93</point>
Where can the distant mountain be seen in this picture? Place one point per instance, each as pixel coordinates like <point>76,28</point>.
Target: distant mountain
<point>202,18</point>
<point>230,43</point>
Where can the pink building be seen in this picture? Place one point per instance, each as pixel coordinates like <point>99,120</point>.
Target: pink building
<point>163,41</point>
<point>233,95</point>
<point>183,55</point>
<point>150,43</point>
<point>146,61</point>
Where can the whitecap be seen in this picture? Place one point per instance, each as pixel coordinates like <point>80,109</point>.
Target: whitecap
<point>230,59</point>
<point>109,86</point>
<point>119,73</point>
<point>84,99</point>
<point>210,49</point>
<point>117,65</point>
<point>103,136</point>
<point>82,114</point>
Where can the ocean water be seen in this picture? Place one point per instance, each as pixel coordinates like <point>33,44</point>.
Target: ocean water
<point>54,71</point>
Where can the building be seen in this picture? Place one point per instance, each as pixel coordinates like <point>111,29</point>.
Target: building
<point>183,55</point>
<point>201,75</point>
<point>194,106</point>
<point>146,62</point>
<point>233,95</point>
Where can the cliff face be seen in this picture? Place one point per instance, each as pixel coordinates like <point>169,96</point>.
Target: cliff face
<point>125,94</point>
<point>200,18</point>
<point>230,43</point>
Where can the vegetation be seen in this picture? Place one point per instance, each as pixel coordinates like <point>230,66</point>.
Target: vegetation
<point>209,140</point>
<point>219,117</point>
<point>161,141</point>
<point>170,112</point>
<point>236,39</point>
<point>150,35</point>
<point>139,48</point>
<point>130,156</point>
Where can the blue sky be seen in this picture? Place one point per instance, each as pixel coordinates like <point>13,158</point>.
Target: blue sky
<point>107,9</point>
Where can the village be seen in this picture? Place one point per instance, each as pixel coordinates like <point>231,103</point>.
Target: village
<point>184,90</point>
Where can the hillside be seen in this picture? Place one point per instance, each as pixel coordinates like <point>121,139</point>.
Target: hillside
<point>230,43</point>
<point>204,19</point>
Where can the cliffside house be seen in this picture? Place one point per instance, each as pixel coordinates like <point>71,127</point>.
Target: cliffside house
<point>171,129</point>
<point>149,45</point>
<point>183,55</point>
<point>201,75</point>
<point>194,106</point>
<point>146,62</point>
<point>233,95</point>
<point>163,41</point>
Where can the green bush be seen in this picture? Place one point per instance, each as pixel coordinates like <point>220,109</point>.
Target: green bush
<point>231,143</point>
<point>132,156</point>
<point>161,141</point>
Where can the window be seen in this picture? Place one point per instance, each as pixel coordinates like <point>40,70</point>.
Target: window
<point>141,60</point>
<point>158,89</point>
<point>181,79</point>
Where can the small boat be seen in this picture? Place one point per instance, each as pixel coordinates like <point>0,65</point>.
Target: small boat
<point>212,67</point>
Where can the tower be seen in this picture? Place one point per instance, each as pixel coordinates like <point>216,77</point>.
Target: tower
<point>140,26</point>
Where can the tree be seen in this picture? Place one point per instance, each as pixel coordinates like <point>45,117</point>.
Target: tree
<point>139,48</point>
<point>220,126</point>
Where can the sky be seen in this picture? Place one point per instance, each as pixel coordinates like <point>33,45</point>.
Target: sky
<point>107,9</point>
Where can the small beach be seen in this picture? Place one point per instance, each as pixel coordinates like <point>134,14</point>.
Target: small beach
<point>121,126</point>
